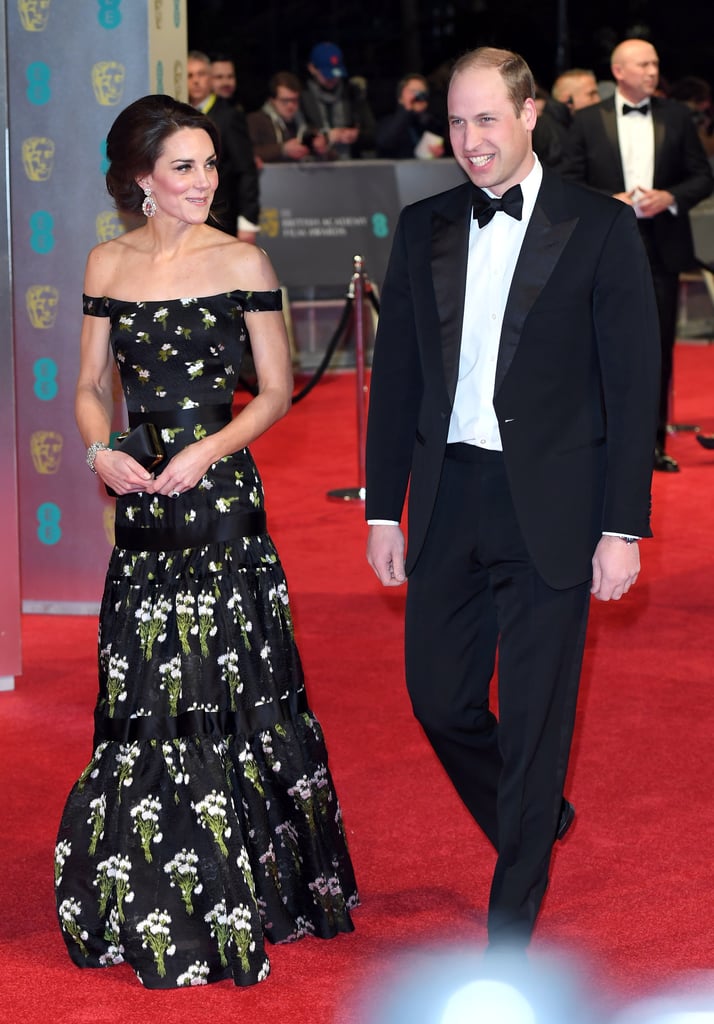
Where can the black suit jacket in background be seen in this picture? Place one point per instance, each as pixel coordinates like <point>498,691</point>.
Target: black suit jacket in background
<point>577,375</point>
<point>238,190</point>
<point>680,167</point>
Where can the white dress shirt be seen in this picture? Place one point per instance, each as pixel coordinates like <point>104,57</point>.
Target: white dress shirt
<point>493,254</point>
<point>635,134</point>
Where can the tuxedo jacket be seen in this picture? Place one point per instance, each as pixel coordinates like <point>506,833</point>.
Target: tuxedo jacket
<point>680,166</point>
<point>238,189</point>
<point>577,376</point>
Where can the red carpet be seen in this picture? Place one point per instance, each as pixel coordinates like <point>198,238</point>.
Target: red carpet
<point>631,889</point>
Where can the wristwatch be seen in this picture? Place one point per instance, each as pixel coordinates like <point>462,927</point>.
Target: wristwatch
<point>627,540</point>
<point>95,446</point>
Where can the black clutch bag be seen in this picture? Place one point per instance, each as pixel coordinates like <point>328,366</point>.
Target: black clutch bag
<point>144,444</point>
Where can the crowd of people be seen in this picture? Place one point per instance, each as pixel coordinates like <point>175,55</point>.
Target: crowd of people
<point>518,395</point>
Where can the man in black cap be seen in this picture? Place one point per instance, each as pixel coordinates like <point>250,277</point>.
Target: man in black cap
<point>336,105</point>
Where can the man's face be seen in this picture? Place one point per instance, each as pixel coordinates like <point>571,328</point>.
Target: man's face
<point>223,78</point>
<point>286,103</point>
<point>491,143</point>
<point>636,69</point>
<point>327,83</point>
<point>199,81</point>
<point>584,92</point>
<point>414,87</point>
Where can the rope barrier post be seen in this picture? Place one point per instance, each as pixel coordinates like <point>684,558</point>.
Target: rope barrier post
<point>357,290</point>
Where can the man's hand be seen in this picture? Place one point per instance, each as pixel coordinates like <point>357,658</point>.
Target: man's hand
<point>652,201</point>
<point>293,149</point>
<point>385,553</point>
<point>616,566</point>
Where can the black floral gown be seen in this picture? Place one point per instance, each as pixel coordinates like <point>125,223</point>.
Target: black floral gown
<point>206,820</point>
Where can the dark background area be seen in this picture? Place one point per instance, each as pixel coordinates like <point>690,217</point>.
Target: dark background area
<point>383,39</point>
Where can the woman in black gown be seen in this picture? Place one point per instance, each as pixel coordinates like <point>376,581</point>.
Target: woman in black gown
<point>206,819</point>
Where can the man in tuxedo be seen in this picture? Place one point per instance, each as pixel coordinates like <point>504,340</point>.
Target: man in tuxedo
<point>644,150</point>
<point>236,205</point>
<point>513,391</point>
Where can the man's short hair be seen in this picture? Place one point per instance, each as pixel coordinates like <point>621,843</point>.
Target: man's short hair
<point>288,81</point>
<point>513,69</point>
<point>562,86</point>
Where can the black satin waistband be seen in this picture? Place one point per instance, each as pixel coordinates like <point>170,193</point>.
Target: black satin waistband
<point>246,523</point>
<point>216,724</point>
<point>460,451</point>
<point>203,414</point>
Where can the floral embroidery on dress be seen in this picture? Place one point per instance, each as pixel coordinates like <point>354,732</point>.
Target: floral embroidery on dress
<point>206,819</point>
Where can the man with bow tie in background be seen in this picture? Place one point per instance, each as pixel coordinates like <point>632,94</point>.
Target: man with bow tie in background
<point>513,392</point>
<point>644,151</point>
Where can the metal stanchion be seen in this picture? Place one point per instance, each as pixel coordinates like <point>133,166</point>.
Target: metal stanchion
<point>357,289</point>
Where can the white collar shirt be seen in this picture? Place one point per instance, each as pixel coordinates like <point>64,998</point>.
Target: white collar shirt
<point>493,253</point>
<point>635,135</point>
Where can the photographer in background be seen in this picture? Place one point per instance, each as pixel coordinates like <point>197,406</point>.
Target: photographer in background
<point>337,104</point>
<point>411,131</point>
<point>279,131</point>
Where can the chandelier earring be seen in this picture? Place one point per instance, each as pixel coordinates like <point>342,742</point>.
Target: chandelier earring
<point>148,207</point>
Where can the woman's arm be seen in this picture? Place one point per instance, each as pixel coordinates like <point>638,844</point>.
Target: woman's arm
<point>271,356</point>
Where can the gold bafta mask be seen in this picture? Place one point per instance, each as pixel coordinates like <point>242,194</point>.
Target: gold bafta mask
<point>158,13</point>
<point>108,519</point>
<point>34,14</point>
<point>46,451</point>
<point>41,302</point>
<point>108,82</point>
<point>270,222</point>
<point>38,155</point>
<point>108,226</point>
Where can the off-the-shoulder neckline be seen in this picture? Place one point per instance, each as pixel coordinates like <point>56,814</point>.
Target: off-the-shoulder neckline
<point>182,298</point>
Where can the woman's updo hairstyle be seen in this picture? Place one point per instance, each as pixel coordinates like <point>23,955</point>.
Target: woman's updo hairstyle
<point>136,141</point>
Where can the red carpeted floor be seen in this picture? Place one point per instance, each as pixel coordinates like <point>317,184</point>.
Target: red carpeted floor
<point>631,888</point>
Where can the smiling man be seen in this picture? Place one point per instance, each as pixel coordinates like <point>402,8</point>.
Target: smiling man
<point>513,391</point>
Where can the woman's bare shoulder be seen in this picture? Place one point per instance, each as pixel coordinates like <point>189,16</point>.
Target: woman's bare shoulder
<point>105,261</point>
<point>243,266</point>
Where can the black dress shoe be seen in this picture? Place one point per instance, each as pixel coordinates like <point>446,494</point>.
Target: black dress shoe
<point>567,817</point>
<point>705,440</point>
<point>665,463</point>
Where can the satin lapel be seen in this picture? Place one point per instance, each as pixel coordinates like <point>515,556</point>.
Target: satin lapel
<point>609,124</point>
<point>660,131</point>
<point>449,256</point>
<point>543,243</point>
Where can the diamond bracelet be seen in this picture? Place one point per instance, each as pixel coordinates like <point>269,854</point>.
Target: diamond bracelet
<point>96,446</point>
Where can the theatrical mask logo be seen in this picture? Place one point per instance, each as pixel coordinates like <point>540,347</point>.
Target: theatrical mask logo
<point>108,519</point>
<point>270,221</point>
<point>108,82</point>
<point>46,451</point>
<point>34,14</point>
<point>38,155</point>
<point>108,226</point>
<point>41,301</point>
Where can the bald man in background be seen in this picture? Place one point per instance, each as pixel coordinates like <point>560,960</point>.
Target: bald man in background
<point>644,150</point>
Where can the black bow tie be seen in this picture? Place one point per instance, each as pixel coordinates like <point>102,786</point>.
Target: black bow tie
<point>484,206</point>
<point>627,109</point>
